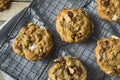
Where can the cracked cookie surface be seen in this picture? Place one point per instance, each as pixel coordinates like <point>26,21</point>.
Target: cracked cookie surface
<point>74,25</point>
<point>67,68</point>
<point>33,42</point>
<point>108,55</point>
<point>109,9</point>
<point>4,4</point>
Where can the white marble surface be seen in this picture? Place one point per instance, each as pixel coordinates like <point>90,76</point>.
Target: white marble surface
<point>4,76</point>
<point>1,76</point>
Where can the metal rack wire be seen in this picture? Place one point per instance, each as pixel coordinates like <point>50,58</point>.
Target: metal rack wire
<point>43,12</point>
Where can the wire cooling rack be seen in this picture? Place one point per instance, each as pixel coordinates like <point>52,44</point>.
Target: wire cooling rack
<point>43,12</point>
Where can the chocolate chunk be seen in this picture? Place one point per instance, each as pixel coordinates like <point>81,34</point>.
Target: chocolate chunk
<point>76,36</point>
<point>116,70</point>
<point>105,44</point>
<point>41,54</point>
<point>70,14</point>
<point>105,3</point>
<point>78,71</point>
<point>79,36</point>
<point>102,56</point>
<point>71,79</point>
<point>62,22</point>
<point>63,19</point>
<point>19,47</point>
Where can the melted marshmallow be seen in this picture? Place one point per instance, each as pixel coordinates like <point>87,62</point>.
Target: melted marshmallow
<point>115,17</point>
<point>109,72</point>
<point>115,37</point>
<point>42,27</point>
<point>33,47</point>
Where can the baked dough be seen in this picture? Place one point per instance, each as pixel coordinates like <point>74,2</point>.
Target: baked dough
<point>67,68</point>
<point>108,55</point>
<point>109,9</point>
<point>74,25</point>
<point>33,42</point>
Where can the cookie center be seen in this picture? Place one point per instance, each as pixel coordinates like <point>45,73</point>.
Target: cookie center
<point>73,23</point>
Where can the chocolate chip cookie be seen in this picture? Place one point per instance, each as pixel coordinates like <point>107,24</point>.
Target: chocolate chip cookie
<point>67,68</point>
<point>74,25</point>
<point>108,55</point>
<point>109,9</point>
<point>4,4</point>
<point>33,42</point>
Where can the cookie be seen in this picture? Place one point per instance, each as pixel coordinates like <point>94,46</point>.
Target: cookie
<point>108,55</point>
<point>33,42</point>
<point>74,25</point>
<point>109,10</point>
<point>4,4</point>
<point>67,68</point>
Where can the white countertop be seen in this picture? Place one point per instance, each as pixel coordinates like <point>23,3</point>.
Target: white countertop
<point>4,76</point>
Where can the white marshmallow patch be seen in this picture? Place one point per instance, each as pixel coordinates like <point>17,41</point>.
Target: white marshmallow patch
<point>33,47</point>
<point>115,37</point>
<point>115,17</point>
